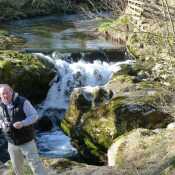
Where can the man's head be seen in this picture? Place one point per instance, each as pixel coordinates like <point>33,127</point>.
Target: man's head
<point>6,93</point>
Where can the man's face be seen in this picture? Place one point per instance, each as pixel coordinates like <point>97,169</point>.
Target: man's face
<point>6,95</point>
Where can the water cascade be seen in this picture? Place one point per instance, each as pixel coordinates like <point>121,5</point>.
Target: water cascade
<point>70,75</point>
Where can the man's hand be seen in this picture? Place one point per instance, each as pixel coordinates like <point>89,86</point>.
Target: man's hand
<point>18,125</point>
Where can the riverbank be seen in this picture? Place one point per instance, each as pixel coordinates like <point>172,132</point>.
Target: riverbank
<point>127,117</point>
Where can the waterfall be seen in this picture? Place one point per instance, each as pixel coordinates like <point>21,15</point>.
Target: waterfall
<point>70,75</point>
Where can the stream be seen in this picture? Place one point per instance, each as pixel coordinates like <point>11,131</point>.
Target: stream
<point>67,32</point>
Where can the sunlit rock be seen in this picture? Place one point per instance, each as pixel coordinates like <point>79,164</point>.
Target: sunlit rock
<point>171,125</point>
<point>144,151</point>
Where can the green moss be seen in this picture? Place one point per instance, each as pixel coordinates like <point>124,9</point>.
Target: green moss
<point>65,127</point>
<point>90,144</point>
<point>122,78</point>
<point>102,135</point>
<point>122,20</point>
<point>105,26</point>
<point>100,123</point>
<point>4,63</point>
<point>3,33</point>
<point>25,73</point>
<point>113,24</point>
<point>150,85</point>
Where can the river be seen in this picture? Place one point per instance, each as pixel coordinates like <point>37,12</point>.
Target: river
<point>56,33</point>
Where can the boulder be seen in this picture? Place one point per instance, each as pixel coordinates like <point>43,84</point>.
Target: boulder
<point>60,166</point>
<point>93,126</point>
<point>26,74</point>
<point>68,167</point>
<point>144,152</point>
<point>44,124</point>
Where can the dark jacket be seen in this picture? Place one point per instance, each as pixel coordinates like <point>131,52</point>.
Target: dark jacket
<point>13,135</point>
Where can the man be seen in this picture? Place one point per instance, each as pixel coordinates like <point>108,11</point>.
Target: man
<point>17,116</point>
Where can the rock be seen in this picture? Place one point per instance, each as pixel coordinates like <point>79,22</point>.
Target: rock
<point>26,74</point>
<point>68,167</point>
<point>44,124</point>
<point>54,115</point>
<point>107,55</point>
<point>171,125</point>
<point>4,169</point>
<point>143,151</point>
<point>96,170</point>
<point>61,165</point>
<point>94,121</point>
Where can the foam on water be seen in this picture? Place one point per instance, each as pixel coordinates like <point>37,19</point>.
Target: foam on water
<point>70,75</point>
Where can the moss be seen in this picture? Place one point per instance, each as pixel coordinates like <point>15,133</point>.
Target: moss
<point>129,69</point>
<point>65,127</point>
<point>113,24</point>
<point>94,131</point>
<point>116,102</point>
<point>101,135</point>
<point>133,50</point>
<point>122,78</point>
<point>93,148</point>
<point>100,123</point>
<point>61,165</point>
<point>3,32</point>
<point>105,26</point>
<point>122,20</point>
<point>25,73</point>
<point>4,63</point>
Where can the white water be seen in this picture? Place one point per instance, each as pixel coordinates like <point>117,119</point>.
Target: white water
<point>76,74</point>
<point>70,75</point>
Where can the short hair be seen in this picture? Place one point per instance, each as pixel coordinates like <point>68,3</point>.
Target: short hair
<point>6,86</point>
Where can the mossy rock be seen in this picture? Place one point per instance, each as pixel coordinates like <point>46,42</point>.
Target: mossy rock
<point>147,151</point>
<point>26,74</point>
<point>10,42</point>
<point>78,105</point>
<point>120,83</point>
<point>93,130</point>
